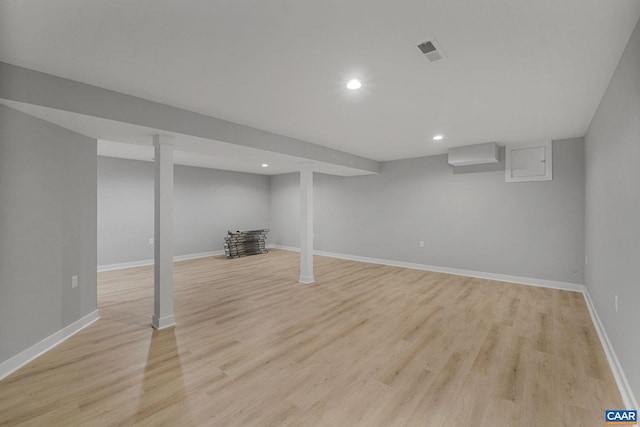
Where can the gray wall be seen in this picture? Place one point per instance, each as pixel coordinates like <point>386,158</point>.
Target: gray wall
<point>47,229</point>
<point>125,210</point>
<point>207,203</point>
<point>471,220</point>
<point>613,210</point>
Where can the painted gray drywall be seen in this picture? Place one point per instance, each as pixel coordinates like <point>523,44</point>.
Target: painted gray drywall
<point>613,210</point>
<point>207,203</point>
<point>47,229</point>
<point>34,87</point>
<point>210,202</point>
<point>470,219</point>
<point>284,209</point>
<point>125,210</point>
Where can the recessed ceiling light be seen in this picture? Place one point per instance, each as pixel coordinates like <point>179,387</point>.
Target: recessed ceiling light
<point>354,84</point>
<point>438,137</point>
<point>264,165</point>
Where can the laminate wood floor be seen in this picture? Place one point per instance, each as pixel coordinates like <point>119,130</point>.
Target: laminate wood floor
<point>366,345</point>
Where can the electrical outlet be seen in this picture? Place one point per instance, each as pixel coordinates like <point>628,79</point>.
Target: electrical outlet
<point>151,241</point>
<point>421,243</point>
<point>74,281</point>
<point>615,297</point>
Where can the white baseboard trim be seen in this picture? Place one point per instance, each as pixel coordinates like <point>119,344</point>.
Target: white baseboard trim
<point>125,265</point>
<point>144,262</point>
<point>163,322</point>
<point>628,398</point>
<point>449,270</point>
<point>307,280</point>
<point>284,248</point>
<point>19,360</point>
<point>196,256</point>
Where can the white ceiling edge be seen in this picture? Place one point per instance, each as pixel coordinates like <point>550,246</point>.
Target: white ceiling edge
<point>127,141</point>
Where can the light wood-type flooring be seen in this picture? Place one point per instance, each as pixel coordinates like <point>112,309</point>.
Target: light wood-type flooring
<point>366,345</point>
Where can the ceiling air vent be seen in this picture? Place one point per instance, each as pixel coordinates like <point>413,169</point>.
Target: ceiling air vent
<point>431,50</point>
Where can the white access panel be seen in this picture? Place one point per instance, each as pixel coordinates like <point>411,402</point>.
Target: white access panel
<point>531,162</point>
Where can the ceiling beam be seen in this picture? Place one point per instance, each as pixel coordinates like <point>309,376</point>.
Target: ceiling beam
<point>34,87</point>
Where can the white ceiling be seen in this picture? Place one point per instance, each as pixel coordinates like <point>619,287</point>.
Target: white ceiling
<point>516,70</point>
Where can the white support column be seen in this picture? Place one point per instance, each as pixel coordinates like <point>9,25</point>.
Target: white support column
<point>306,223</point>
<point>163,234</point>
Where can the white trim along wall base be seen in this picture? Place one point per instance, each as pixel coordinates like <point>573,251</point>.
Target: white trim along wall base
<point>19,360</point>
<point>457,271</point>
<point>623,385</point>
<point>621,380</point>
<point>150,261</point>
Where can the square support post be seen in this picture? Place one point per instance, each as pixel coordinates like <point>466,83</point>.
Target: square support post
<point>306,223</point>
<point>163,316</point>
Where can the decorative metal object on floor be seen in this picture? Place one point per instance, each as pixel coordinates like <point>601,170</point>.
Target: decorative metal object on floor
<point>242,243</point>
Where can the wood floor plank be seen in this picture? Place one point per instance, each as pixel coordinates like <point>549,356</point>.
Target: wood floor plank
<point>366,345</point>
